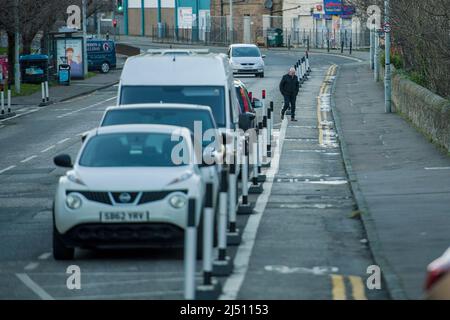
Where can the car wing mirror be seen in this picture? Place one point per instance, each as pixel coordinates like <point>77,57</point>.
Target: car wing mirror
<point>63,160</point>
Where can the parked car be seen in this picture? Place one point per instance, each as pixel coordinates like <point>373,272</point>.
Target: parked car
<point>246,59</point>
<point>101,55</point>
<point>245,103</point>
<point>182,115</point>
<point>437,284</point>
<point>125,189</point>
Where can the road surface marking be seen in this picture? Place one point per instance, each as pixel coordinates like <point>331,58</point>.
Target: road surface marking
<point>438,168</point>
<point>33,286</point>
<point>88,107</point>
<point>31,266</point>
<point>63,140</point>
<point>20,115</point>
<point>47,149</point>
<point>338,290</point>
<point>124,295</point>
<point>45,256</point>
<point>6,169</point>
<point>28,159</point>
<point>358,291</point>
<point>241,261</point>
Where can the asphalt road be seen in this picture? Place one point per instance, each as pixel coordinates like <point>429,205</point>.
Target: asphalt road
<point>302,225</point>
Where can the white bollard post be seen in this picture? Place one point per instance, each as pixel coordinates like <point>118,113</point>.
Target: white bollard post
<point>190,254</point>
<point>9,100</point>
<point>2,101</point>
<point>47,96</point>
<point>233,235</point>
<point>43,94</point>
<point>261,177</point>
<point>223,265</point>
<point>256,187</point>
<point>245,207</point>
<point>210,289</point>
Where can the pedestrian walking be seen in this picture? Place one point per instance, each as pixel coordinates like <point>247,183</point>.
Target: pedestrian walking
<point>289,87</point>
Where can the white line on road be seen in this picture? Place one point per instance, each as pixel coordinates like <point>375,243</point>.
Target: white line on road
<point>47,149</point>
<point>438,168</point>
<point>20,115</point>
<point>63,140</point>
<point>31,266</point>
<point>241,261</point>
<point>88,107</point>
<point>6,169</point>
<point>33,286</point>
<point>45,256</point>
<point>28,159</point>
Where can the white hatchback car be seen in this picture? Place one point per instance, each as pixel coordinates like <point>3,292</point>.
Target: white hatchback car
<point>128,187</point>
<point>246,59</point>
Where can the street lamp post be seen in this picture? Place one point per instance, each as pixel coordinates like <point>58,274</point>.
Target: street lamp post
<point>387,75</point>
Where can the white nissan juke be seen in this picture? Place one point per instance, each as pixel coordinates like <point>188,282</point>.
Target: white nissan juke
<point>128,187</point>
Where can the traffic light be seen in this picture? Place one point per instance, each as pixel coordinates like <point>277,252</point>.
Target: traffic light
<point>114,23</point>
<point>120,5</point>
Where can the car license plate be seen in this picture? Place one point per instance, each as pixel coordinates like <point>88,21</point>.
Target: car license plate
<point>124,216</point>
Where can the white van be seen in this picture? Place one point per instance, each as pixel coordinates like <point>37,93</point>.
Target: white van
<point>187,77</point>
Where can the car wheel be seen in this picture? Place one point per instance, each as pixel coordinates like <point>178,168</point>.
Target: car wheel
<point>261,75</point>
<point>60,250</point>
<point>105,67</point>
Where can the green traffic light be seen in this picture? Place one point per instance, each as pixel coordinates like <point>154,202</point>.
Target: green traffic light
<point>120,8</point>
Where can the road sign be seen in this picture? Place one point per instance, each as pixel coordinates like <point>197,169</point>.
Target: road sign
<point>387,28</point>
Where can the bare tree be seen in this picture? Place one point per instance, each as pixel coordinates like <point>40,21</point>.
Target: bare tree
<point>421,35</point>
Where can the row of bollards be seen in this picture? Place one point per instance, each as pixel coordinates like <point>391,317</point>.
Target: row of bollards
<point>222,225</point>
<point>303,70</point>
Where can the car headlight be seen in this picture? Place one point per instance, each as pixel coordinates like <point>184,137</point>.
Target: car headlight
<point>73,201</point>
<point>177,201</point>
<point>72,176</point>
<point>182,178</point>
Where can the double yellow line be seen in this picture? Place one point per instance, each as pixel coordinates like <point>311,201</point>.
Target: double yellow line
<point>339,291</point>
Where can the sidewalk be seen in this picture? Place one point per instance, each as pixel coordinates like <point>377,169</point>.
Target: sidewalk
<point>77,88</point>
<point>402,179</point>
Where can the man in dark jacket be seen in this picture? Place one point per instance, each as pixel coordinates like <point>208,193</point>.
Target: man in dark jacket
<point>289,87</point>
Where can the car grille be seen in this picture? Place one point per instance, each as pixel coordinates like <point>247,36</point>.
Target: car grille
<point>147,196</point>
<point>96,196</point>
<point>247,64</point>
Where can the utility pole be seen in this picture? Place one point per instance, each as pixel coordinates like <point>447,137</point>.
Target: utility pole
<point>231,21</point>
<point>387,75</point>
<point>16,48</point>
<point>85,64</point>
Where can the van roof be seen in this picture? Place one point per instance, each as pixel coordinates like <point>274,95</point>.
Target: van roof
<point>159,106</point>
<point>175,69</point>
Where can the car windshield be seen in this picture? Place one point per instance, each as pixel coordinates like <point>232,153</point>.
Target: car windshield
<point>211,96</point>
<point>132,150</point>
<point>168,116</point>
<point>246,52</point>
